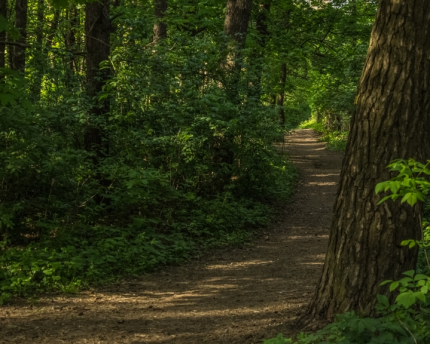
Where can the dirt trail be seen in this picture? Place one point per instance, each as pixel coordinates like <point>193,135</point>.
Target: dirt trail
<point>232,296</point>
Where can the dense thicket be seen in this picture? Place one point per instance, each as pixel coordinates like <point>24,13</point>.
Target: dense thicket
<point>131,131</point>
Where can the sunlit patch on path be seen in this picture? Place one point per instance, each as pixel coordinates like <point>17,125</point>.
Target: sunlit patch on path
<point>231,296</point>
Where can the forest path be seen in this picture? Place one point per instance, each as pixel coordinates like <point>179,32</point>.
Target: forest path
<point>230,296</point>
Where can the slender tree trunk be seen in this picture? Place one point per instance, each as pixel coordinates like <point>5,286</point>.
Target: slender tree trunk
<point>97,30</point>
<point>39,25</point>
<point>281,95</point>
<point>21,9</point>
<point>262,17</point>
<point>10,53</point>
<point>160,27</point>
<point>70,42</point>
<point>339,123</point>
<point>3,12</point>
<point>391,121</point>
<point>237,17</point>
<point>39,56</point>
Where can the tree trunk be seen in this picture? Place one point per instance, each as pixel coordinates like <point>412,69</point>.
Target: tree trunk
<point>21,9</point>
<point>236,21</point>
<point>281,95</point>
<point>391,121</point>
<point>237,16</point>
<point>39,56</point>
<point>3,12</point>
<point>97,30</point>
<point>160,27</point>
<point>339,123</point>
<point>262,15</point>
<point>70,42</point>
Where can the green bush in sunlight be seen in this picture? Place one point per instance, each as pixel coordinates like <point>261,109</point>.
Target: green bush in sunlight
<point>336,140</point>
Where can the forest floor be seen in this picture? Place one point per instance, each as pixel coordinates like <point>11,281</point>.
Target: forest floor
<point>229,296</point>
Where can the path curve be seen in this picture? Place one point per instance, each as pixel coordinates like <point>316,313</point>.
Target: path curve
<point>232,296</point>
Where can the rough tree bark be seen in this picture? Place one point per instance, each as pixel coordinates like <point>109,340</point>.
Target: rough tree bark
<point>236,21</point>
<point>97,31</point>
<point>160,27</point>
<point>21,9</point>
<point>391,121</point>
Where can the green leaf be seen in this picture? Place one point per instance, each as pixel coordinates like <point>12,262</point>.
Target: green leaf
<point>379,187</point>
<point>411,243</point>
<point>420,296</point>
<point>419,277</point>
<point>406,299</point>
<point>383,299</point>
<point>394,285</point>
<point>409,273</point>
<point>386,282</point>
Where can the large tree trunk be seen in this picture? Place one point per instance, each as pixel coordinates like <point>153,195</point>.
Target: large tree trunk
<point>281,95</point>
<point>21,9</point>
<point>391,121</point>
<point>3,12</point>
<point>97,30</point>
<point>236,21</point>
<point>160,27</point>
<point>237,16</point>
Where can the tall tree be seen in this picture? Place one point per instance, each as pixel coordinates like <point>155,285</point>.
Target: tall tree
<point>97,32</point>
<point>21,9</point>
<point>3,12</point>
<point>281,95</point>
<point>39,56</point>
<point>261,21</point>
<point>391,121</point>
<point>160,26</point>
<point>236,21</point>
<point>72,15</point>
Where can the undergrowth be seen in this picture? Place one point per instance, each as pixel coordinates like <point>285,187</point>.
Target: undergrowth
<point>187,165</point>
<point>81,255</point>
<point>336,140</point>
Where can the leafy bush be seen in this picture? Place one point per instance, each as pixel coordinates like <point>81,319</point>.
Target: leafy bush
<point>187,169</point>
<point>336,140</point>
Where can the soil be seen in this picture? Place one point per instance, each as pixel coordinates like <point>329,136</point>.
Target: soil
<point>229,296</point>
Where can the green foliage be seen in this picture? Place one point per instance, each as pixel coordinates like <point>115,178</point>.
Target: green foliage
<point>400,326</point>
<point>336,140</point>
<point>189,166</point>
